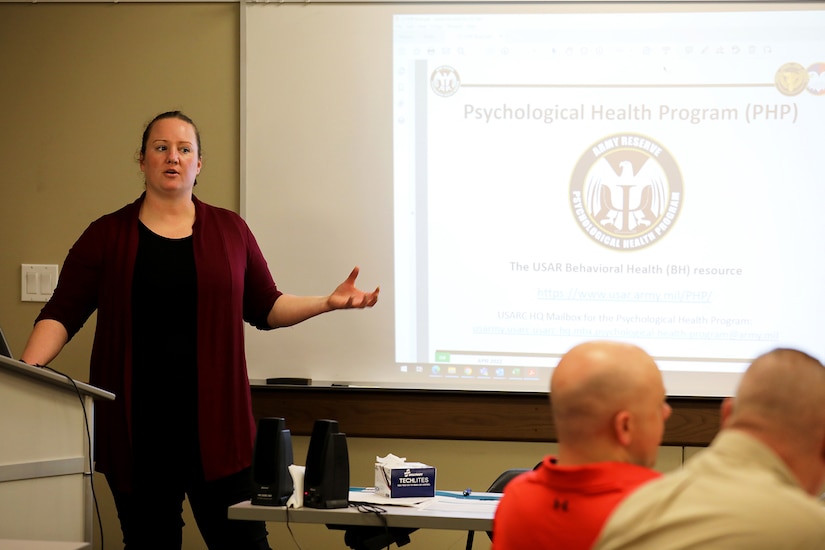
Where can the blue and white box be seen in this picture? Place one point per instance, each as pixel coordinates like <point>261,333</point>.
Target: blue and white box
<point>397,478</point>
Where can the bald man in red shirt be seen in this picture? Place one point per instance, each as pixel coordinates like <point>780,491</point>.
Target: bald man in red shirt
<point>609,407</point>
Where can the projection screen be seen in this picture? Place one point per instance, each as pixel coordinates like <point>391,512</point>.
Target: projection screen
<point>522,177</point>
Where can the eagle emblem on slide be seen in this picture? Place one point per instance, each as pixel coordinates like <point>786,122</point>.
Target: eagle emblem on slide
<point>445,81</point>
<point>626,191</point>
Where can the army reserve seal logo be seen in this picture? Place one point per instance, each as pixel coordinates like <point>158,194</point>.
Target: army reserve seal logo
<point>626,191</point>
<point>445,81</point>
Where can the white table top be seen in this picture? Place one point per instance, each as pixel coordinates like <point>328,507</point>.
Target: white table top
<point>9,544</point>
<point>439,512</point>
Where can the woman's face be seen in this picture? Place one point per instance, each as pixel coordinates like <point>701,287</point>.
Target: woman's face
<point>172,160</point>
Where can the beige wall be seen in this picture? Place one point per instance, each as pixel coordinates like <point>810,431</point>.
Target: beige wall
<point>78,82</point>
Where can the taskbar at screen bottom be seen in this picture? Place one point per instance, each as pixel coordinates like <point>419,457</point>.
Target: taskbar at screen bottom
<point>492,373</point>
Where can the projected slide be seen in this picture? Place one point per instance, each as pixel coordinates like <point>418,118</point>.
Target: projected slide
<point>654,178</point>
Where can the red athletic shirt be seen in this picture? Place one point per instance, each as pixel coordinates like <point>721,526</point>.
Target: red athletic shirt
<point>562,507</point>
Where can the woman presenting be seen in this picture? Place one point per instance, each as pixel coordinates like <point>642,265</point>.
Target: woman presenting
<point>173,280</point>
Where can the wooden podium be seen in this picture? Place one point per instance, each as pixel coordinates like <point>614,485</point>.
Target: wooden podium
<point>45,454</point>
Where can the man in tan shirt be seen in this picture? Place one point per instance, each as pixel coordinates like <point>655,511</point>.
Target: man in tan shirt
<point>754,488</point>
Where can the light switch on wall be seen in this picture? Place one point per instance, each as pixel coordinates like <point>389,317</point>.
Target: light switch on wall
<point>37,282</point>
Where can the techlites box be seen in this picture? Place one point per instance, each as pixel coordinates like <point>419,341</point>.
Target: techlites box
<point>411,479</point>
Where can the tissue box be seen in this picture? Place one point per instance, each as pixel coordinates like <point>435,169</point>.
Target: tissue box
<point>411,479</point>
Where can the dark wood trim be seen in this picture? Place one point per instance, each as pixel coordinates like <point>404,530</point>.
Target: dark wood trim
<point>446,414</point>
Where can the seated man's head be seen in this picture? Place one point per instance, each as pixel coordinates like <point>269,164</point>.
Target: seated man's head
<point>781,401</point>
<point>609,404</point>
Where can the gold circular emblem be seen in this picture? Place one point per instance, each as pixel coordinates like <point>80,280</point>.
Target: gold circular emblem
<point>791,79</point>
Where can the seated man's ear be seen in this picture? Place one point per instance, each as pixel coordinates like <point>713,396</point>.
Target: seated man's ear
<point>622,427</point>
<point>822,450</point>
<point>726,409</point>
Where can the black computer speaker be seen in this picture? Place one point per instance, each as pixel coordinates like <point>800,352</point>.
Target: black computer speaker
<point>270,463</point>
<point>326,478</point>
